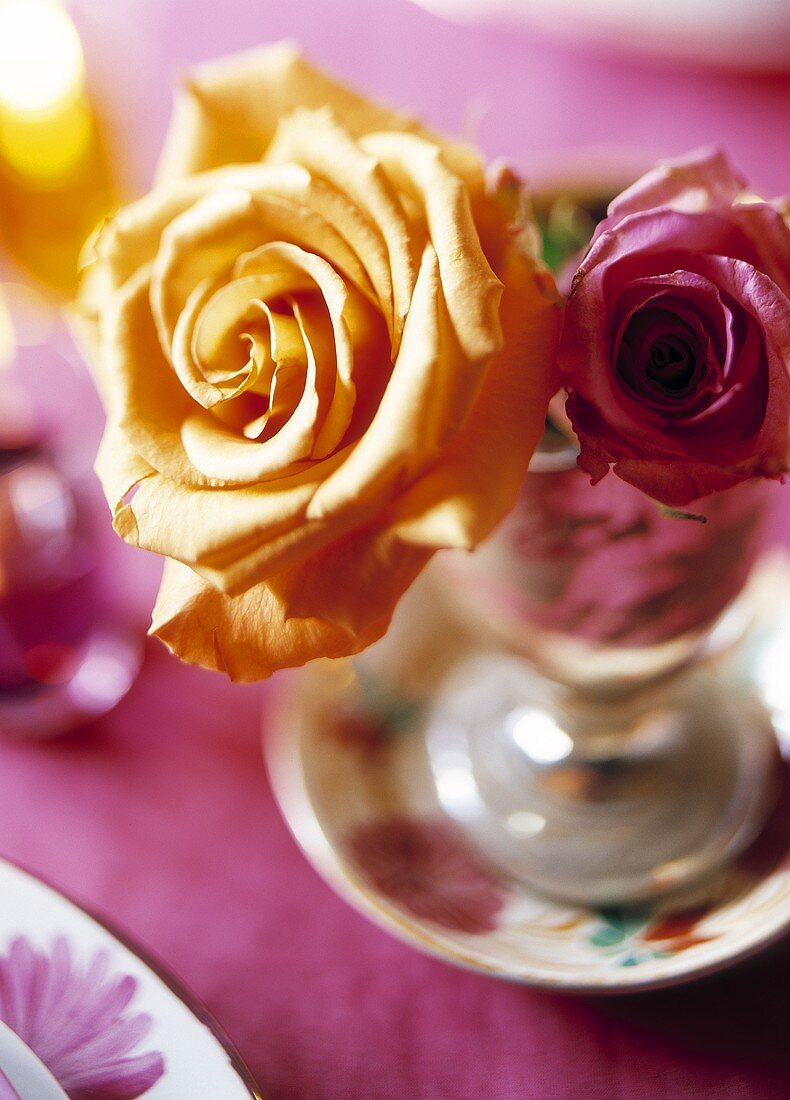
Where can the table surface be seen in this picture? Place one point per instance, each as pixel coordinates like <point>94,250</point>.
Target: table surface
<point>160,816</point>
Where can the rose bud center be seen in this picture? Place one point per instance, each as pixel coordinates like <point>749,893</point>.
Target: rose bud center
<point>671,362</point>
<point>661,358</point>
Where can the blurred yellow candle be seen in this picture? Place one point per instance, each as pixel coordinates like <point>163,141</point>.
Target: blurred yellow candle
<point>53,172</point>
<point>40,56</point>
<point>45,118</point>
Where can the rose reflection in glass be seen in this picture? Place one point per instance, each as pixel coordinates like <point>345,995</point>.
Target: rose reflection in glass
<point>581,578</point>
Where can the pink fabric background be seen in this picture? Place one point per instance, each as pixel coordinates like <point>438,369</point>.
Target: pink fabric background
<point>161,817</point>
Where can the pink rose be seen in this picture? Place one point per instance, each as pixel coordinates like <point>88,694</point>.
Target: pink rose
<point>676,343</point>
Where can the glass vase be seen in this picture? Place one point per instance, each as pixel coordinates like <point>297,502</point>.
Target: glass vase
<point>597,746</point>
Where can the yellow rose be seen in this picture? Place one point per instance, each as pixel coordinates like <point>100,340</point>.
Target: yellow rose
<point>326,351</point>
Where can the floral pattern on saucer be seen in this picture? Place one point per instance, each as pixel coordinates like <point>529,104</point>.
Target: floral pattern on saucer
<point>636,936</point>
<point>371,718</point>
<point>421,865</point>
<point>78,1021</point>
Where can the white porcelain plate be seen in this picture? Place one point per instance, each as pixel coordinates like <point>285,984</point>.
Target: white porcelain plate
<point>81,1014</point>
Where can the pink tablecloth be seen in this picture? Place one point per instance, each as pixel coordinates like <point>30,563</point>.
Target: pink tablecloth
<point>161,817</point>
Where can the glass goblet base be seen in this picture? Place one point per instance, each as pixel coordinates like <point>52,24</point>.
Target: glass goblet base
<point>602,800</point>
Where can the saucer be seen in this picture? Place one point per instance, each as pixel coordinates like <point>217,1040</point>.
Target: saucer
<point>351,773</point>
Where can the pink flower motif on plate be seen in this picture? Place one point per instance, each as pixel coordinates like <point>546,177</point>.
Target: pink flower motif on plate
<point>421,865</point>
<point>75,1020</point>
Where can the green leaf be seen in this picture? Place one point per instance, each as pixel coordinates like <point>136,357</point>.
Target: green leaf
<point>677,513</point>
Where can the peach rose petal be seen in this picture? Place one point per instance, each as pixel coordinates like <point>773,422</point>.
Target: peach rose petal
<point>119,467</point>
<point>336,402</point>
<point>222,456</point>
<point>430,392</point>
<point>318,219</point>
<point>246,636</point>
<point>130,240</point>
<point>471,289</point>
<point>345,311</point>
<point>174,434</point>
<point>240,565</point>
<point>200,244</point>
<point>213,446</point>
<point>318,141</point>
<point>149,405</point>
<point>355,582</point>
<point>243,209</point>
<point>325,221</point>
<point>221,322</point>
<point>240,540</point>
<point>187,524</point>
<point>342,323</point>
<point>228,110</point>
<point>212,322</point>
<point>460,501</point>
<point>406,428</point>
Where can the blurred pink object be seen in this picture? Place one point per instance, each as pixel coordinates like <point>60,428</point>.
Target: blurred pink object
<point>63,658</point>
<point>18,426</point>
<point>48,592</point>
<point>710,32</point>
<point>520,93</point>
